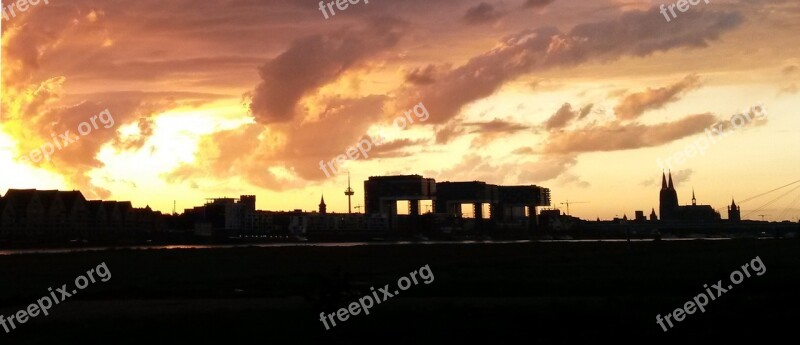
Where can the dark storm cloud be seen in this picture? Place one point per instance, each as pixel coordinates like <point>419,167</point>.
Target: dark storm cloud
<point>483,13</point>
<point>537,3</point>
<point>314,61</point>
<point>633,34</point>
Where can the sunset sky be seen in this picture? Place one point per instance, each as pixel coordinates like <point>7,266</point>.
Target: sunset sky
<point>228,97</point>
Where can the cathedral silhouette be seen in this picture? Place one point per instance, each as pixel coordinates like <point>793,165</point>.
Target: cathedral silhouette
<point>671,211</point>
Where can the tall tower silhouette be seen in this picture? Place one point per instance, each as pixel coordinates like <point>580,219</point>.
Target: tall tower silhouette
<point>663,198</point>
<point>349,192</point>
<point>668,198</point>
<point>323,209</point>
<point>694,199</point>
<point>734,212</point>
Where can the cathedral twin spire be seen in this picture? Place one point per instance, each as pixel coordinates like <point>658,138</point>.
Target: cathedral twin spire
<point>668,199</point>
<point>664,184</point>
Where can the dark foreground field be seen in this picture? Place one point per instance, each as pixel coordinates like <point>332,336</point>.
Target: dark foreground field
<point>540,293</point>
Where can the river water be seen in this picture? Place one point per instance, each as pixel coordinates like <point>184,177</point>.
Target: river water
<point>315,244</point>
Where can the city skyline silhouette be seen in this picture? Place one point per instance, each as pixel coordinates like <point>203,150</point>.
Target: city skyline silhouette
<point>394,172</point>
<point>546,93</point>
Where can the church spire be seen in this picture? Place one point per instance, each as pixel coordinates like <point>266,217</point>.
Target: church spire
<point>671,185</point>
<point>694,200</point>
<point>663,180</point>
<point>323,209</point>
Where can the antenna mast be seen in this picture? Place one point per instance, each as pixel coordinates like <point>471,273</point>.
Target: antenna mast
<point>349,192</point>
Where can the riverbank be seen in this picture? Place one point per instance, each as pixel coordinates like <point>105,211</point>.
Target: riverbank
<point>541,292</point>
<point>188,242</point>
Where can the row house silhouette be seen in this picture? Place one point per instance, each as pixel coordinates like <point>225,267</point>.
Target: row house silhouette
<point>59,215</point>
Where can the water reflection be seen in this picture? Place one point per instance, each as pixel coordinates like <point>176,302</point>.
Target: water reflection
<point>321,244</point>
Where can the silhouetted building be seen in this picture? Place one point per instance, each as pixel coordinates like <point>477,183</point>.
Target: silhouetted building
<point>492,205</point>
<point>6,215</point>
<point>382,193</point>
<point>248,214</point>
<point>668,198</point>
<point>734,212</point>
<point>451,195</point>
<point>653,216</point>
<point>323,209</point>
<point>227,216</point>
<point>555,221</point>
<point>672,212</point>
<point>60,215</point>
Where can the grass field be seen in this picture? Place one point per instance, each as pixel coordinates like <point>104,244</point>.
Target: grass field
<point>536,293</point>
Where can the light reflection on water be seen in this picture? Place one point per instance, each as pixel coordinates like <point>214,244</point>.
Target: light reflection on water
<point>316,244</point>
